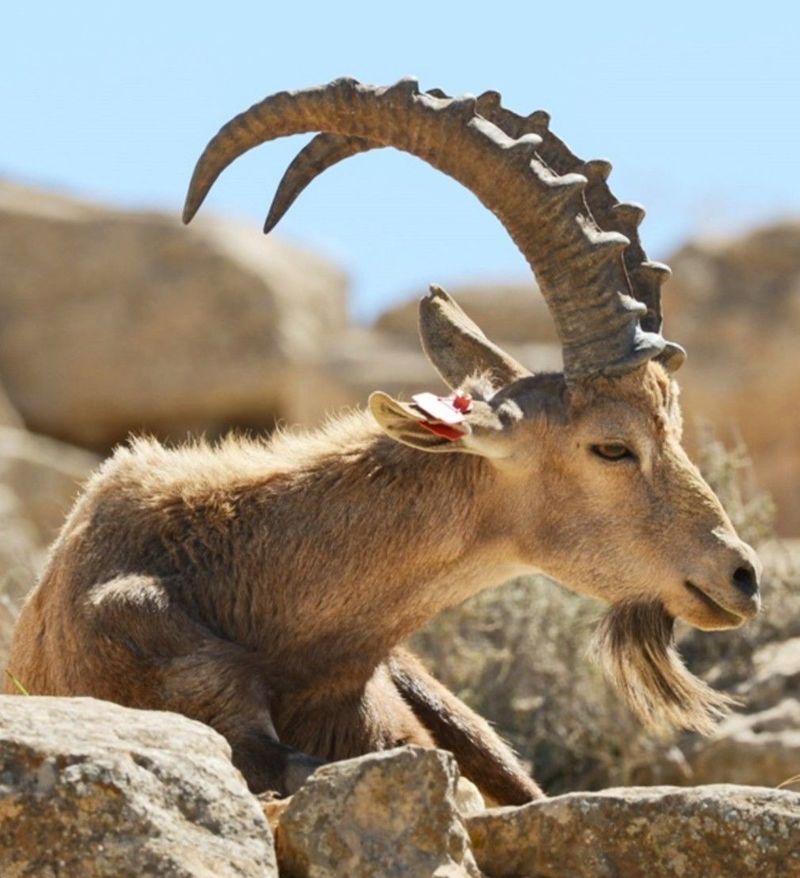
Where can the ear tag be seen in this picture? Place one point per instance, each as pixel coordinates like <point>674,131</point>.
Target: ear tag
<point>462,402</point>
<point>443,431</point>
<point>438,409</point>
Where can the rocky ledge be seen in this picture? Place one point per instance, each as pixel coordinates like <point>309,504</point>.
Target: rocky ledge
<point>92,789</point>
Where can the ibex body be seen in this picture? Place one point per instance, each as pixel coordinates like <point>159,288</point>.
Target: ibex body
<point>265,587</point>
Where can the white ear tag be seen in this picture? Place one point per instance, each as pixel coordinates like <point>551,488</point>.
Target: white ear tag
<point>437,409</point>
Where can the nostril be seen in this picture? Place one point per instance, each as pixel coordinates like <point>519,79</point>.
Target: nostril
<point>746,580</point>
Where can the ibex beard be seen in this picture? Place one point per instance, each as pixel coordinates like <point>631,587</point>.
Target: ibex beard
<point>265,587</point>
<point>635,645</point>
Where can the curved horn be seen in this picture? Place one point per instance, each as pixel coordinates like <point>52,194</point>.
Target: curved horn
<point>579,267</point>
<point>316,156</point>
<point>319,154</point>
<point>645,277</point>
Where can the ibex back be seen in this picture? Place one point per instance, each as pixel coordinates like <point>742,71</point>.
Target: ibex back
<point>264,587</point>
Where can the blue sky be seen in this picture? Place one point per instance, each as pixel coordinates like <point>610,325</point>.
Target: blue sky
<point>696,104</point>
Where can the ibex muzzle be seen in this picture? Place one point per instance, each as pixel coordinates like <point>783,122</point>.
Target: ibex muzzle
<point>264,588</point>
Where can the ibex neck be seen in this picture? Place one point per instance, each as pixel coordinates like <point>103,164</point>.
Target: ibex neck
<point>375,540</point>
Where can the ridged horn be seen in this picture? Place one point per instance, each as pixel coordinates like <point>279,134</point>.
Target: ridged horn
<point>316,156</point>
<point>646,277</point>
<point>579,267</point>
<point>319,154</point>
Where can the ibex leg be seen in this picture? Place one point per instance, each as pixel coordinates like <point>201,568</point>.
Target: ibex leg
<point>481,754</point>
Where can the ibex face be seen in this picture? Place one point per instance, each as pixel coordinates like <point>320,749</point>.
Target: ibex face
<point>590,484</point>
<point>627,516</point>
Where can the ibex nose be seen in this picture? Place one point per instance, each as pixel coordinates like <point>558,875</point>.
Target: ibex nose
<point>745,579</point>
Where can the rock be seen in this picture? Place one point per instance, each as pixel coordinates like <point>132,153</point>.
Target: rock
<point>45,475</point>
<point>9,416</point>
<point>39,477</point>
<point>469,800</point>
<point>641,832</point>
<point>93,789</point>
<point>21,551</point>
<point>762,748</point>
<point>113,321</point>
<point>777,674</point>
<point>391,814</point>
<point>273,808</point>
<point>359,361</point>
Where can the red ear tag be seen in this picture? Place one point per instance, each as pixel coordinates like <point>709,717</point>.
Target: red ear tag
<point>442,430</point>
<point>462,402</point>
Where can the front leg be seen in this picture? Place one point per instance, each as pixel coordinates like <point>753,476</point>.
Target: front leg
<point>481,754</point>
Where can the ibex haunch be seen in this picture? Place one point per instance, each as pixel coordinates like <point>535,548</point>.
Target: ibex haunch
<point>264,587</point>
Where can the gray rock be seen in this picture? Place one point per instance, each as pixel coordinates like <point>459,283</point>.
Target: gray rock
<point>642,832</point>
<point>93,789</point>
<point>391,814</point>
<point>469,800</point>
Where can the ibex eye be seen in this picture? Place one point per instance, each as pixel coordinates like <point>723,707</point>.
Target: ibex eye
<point>613,451</point>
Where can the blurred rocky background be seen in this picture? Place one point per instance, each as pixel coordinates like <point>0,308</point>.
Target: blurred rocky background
<point>114,322</point>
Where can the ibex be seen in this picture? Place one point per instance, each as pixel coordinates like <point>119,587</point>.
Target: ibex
<point>265,587</point>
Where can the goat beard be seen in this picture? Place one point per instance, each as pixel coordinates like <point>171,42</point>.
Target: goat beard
<point>635,646</point>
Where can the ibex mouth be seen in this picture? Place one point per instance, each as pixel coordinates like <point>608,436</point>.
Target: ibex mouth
<point>728,616</point>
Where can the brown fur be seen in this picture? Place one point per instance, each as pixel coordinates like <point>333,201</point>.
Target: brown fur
<point>264,587</point>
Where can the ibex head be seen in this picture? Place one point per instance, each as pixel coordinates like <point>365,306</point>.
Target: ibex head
<point>592,484</point>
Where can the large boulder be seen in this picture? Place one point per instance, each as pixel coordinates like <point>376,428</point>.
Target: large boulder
<point>115,321</point>
<point>639,832</point>
<point>93,789</point>
<point>392,814</point>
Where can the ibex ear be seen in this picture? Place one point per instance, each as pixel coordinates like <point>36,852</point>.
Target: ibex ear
<point>403,422</point>
<point>457,347</point>
<point>481,432</point>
